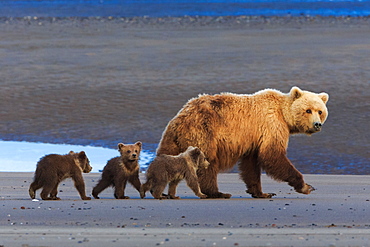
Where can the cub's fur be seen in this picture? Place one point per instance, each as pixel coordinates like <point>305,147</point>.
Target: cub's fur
<point>120,170</point>
<point>172,169</point>
<point>54,168</point>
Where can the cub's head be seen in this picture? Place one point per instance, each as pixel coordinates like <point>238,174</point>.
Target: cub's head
<point>130,152</point>
<point>82,161</point>
<point>198,157</point>
<point>308,110</point>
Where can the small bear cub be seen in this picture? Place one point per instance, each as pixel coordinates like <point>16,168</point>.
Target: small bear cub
<point>54,168</point>
<point>120,170</point>
<point>172,169</point>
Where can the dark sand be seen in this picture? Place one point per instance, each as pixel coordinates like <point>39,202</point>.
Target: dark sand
<point>336,214</point>
<point>99,81</point>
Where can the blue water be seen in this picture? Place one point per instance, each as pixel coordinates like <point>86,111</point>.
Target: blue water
<point>176,8</point>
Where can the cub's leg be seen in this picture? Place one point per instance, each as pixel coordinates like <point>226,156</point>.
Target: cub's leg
<point>172,189</point>
<point>145,187</point>
<point>250,173</point>
<point>46,190</point>
<point>54,192</point>
<point>192,182</point>
<point>80,186</point>
<point>135,181</point>
<point>120,186</point>
<point>158,188</point>
<point>102,185</point>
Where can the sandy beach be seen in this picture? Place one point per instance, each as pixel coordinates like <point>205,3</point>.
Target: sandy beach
<point>336,214</point>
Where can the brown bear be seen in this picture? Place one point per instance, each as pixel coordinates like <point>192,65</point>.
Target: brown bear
<point>120,170</point>
<point>252,130</point>
<point>172,169</point>
<point>54,168</point>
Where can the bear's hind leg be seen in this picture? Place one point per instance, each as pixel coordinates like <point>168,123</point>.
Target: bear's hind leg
<point>102,185</point>
<point>208,183</point>
<point>46,190</point>
<point>54,192</point>
<point>250,173</point>
<point>172,189</point>
<point>157,190</point>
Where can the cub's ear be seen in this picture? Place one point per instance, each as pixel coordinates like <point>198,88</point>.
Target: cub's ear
<point>71,153</point>
<point>194,153</point>
<point>296,93</point>
<point>138,144</point>
<point>82,155</point>
<point>120,146</point>
<point>324,97</point>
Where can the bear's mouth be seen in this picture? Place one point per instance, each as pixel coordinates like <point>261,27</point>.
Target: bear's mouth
<point>312,131</point>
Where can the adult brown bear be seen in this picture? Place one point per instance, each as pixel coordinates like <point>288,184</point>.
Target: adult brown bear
<point>252,130</point>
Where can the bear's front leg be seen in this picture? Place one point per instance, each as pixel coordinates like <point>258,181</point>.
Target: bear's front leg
<point>80,186</point>
<point>250,173</point>
<point>278,166</point>
<point>120,186</point>
<point>208,183</point>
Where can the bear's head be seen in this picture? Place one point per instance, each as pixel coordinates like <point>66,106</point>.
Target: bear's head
<point>130,152</point>
<point>308,110</point>
<point>82,161</point>
<point>198,157</point>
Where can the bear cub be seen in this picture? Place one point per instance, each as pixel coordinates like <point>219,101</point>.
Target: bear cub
<point>54,168</point>
<point>120,170</point>
<point>169,169</point>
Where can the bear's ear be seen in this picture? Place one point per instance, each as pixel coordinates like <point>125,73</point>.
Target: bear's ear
<point>296,93</point>
<point>120,146</point>
<point>81,155</point>
<point>324,97</point>
<point>71,153</point>
<point>138,144</point>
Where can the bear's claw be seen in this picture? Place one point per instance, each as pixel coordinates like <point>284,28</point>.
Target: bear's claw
<point>262,195</point>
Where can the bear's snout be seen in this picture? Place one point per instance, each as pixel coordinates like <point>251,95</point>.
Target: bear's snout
<point>317,126</point>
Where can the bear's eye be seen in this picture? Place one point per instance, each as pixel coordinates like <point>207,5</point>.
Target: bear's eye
<point>309,111</point>
<point>320,112</point>
<point>128,151</point>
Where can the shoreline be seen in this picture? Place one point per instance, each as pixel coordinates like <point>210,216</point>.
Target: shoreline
<point>238,21</point>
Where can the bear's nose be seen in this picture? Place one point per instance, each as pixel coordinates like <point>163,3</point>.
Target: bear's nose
<point>134,155</point>
<point>317,125</point>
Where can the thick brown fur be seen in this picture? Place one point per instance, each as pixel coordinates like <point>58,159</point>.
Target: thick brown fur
<point>168,169</point>
<point>54,168</point>
<point>250,129</point>
<point>120,170</point>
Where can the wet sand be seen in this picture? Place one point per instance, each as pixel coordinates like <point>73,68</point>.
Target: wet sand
<point>336,214</point>
<point>95,81</point>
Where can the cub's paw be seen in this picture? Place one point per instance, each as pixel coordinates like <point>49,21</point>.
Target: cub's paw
<point>306,189</point>
<point>84,198</point>
<point>173,197</point>
<point>202,196</point>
